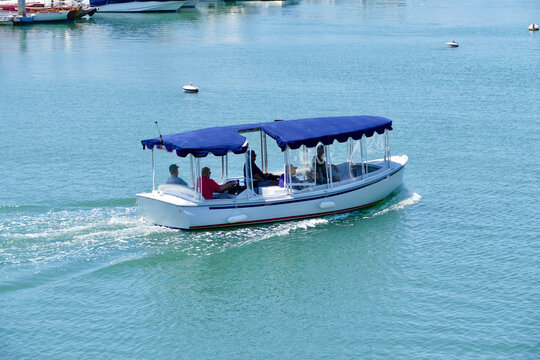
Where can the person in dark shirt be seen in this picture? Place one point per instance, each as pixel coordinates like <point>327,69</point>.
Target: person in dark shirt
<point>320,166</point>
<point>259,177</point>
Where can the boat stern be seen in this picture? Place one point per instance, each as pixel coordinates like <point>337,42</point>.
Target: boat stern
<point>156,209</point>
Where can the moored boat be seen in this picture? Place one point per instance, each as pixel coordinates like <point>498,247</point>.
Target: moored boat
<point>6,19</point>
<point>339,177</point>
<point>128,6</point>
<point>190,88</point>
<point>38,12</point>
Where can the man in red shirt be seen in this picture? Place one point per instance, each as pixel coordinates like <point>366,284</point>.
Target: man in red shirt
<point>209,185</point>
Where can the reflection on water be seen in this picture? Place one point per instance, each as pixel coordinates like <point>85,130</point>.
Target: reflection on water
<point>129,26</point>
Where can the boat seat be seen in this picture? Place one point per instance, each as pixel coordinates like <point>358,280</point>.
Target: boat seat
<point>223,195</point>
<point>178,190</point>
<point>272,190</point>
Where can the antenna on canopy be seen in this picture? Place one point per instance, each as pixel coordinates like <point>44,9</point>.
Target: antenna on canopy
<point>159,132</point>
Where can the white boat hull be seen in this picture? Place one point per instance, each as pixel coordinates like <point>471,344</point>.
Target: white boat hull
<point>171,211</point>
<point>50,16</point>
<point>190,3</point>
<point>142,6</point>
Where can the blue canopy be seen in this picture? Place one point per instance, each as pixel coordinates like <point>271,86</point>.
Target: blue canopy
<point>287,133</point>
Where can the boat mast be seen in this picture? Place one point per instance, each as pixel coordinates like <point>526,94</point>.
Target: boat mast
<point>21,8</point>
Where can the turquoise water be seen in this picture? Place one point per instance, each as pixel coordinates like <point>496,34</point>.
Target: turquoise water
<point>446,268</point>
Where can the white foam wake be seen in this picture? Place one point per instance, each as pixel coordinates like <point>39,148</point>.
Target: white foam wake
<point>399,206</point>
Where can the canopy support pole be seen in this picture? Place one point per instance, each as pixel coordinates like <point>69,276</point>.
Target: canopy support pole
<point>265,154</point>
<point>288,170</point>
<point>328,167</point>
<point>287,174</point>
<point>222,170</point>
<point>362,157</point>
<point>249,175</point>
<point>199,179</point>
<point>153,172</point>
<point>192,177</point>
<point>387,148</point>
<point>226,165</point>
<point>349,157</point>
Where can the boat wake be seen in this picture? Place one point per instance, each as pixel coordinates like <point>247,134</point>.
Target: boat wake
<point>217,241</point>
<point>413,199</point>
<point>50,245</point>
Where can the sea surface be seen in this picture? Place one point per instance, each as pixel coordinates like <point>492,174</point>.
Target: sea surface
<point>446,268</point>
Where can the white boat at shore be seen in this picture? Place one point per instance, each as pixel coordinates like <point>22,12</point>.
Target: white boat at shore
<point>131,6</point>
<point>316,188</point>
<point>40,12</point>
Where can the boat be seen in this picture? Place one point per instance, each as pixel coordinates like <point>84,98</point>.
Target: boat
<point>38,12</point>
<point>6,19</point>
<point>130,6</point>
<point>533,27</point>
<point>190,88</point>
<point>452,44</point>
<point>355,179</point>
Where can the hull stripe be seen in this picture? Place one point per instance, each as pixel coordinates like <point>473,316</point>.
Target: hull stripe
<point>282,218</point>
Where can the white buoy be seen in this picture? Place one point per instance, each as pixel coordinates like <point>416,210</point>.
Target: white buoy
<point>452,44</point>
<point>190,88</point>
<point>533,27</point>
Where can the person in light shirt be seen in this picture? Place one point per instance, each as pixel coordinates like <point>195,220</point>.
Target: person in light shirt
<point>174,179</point>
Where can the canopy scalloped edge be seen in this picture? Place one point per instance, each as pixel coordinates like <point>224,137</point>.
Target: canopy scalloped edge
<point>290,133</point>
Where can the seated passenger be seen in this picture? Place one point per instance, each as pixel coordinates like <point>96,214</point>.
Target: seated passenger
<point>260,178</point>
<point>209,185</point>
<point>320,167</point>
<point>174,179</point>
<point>292,171</point>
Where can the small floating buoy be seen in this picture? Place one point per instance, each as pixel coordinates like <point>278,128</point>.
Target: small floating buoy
<point>190,88</point>
<point>533,27</point>
<point>452,44</point>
